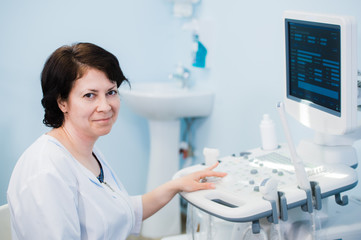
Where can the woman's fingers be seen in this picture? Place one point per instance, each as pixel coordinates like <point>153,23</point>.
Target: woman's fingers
<point>212,166</point>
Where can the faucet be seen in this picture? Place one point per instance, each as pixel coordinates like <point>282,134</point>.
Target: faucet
<point>181,74</point>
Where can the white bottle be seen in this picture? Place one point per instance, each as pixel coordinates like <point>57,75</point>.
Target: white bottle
<point>268,133</point>
<point>210,155</point>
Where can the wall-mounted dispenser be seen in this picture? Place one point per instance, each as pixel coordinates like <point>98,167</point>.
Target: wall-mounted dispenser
<point>183,8</point>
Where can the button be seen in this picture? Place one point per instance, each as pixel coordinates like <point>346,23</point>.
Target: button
<point>243,154</point>
<point>254,171</point>
<point>280,173</point>
<point>251,182</point>
<point>256,188</point>
<point>274,171</point>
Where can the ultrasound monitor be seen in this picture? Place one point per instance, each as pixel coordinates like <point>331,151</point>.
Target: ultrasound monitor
<point>321,71</point>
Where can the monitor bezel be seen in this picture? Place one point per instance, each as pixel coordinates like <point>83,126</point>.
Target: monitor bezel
<point>315,116</point>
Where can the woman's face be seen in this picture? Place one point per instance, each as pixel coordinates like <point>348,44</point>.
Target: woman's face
<point>92,106</point>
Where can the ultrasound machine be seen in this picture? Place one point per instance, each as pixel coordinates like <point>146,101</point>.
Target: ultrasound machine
<point>294,192</point>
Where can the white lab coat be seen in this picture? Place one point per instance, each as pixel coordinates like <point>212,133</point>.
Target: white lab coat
<point>52,196</point>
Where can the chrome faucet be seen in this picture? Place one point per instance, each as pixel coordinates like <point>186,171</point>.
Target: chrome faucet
<point>181,74</point>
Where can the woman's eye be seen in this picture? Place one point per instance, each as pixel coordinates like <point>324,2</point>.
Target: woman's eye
<point>89,95</point>
<point>112,92</point>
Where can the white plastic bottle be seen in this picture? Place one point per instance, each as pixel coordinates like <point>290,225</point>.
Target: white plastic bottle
<point>268,133</point>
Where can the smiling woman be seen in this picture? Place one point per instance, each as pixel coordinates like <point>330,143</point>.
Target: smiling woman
<point>92,105</point>
<point>62,187</point>
<point>67,64</point>
<point>90,111</point>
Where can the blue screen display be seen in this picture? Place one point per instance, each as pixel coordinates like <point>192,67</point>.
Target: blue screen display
<point>313,58</point>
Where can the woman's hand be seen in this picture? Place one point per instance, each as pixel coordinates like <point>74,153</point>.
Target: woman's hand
<point>156,199</point>
<point>193,181</point>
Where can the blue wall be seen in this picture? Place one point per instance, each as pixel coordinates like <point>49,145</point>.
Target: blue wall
<point>246,71</point>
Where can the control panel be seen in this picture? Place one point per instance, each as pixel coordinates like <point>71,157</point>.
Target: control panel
<point>240,196</point>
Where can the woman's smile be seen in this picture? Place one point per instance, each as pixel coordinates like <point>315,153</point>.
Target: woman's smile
<point>103,120</point>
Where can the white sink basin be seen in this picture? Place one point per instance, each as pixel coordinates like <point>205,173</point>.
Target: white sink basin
<point>167,101</point>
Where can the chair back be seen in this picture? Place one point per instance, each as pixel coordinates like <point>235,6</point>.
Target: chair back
<point>5,227</point>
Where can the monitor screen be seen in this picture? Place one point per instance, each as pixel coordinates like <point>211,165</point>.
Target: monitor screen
<point>314,64</point>
<point>321,71</point>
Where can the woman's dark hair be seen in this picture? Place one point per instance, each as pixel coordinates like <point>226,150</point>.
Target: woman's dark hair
<point>67,64</point>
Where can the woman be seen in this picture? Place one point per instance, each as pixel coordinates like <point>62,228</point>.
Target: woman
<point>62,187</point>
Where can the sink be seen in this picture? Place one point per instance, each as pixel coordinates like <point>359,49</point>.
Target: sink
<point>163,104</point>
<point>167,101</point>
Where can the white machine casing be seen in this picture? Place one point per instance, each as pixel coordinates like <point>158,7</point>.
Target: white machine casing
<point>317,119</point>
